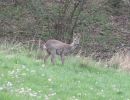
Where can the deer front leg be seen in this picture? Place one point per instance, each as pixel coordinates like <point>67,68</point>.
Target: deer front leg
<point>53,56</point>
<point>62,58</point>
<point>53,59</point>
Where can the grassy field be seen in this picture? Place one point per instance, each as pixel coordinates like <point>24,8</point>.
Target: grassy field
<point>23,77</point>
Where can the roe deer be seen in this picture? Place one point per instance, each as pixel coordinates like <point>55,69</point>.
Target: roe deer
<point>55,47</point>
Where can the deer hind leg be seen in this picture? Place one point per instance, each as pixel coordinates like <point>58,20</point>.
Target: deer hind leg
<point>53,56</point>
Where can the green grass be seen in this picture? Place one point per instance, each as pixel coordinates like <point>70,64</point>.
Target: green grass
<point>23,77</point>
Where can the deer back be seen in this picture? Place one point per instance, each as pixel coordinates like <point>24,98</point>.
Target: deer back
<point>58,46</point>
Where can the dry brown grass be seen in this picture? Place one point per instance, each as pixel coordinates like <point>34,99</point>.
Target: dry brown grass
<point>121,60</point>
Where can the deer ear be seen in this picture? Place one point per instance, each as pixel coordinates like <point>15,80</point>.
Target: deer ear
<point>78,35</point>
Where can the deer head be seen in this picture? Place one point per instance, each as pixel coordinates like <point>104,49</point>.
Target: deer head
<point>76,40</point>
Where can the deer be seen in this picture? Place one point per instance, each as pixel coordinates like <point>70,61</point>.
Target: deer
<point>55,47</point>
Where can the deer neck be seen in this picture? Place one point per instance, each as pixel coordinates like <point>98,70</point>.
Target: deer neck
<point>73,46</point>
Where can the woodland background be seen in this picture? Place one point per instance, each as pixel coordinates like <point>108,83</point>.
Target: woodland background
<point>104,24</point>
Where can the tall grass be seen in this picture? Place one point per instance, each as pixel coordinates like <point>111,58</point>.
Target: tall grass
<point>121,60</point>
<point>24,77</point>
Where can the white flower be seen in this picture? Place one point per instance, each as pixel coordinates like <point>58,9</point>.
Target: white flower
<point>29,90</point>
<point>46,97</point>
<point>27,69</point>
<point>24,74</point>
<point>10,56</point>
<point>1,88</point>
<point>33,94</point>
<point>9,84</point>
<point>43,65</point>
<point>52,94</point>
<point>2,75</point>
<point>38,61</point>
<point>32,71</point>
<point>49,79</point>
<point>23,66</point>
<point>43,74</point>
